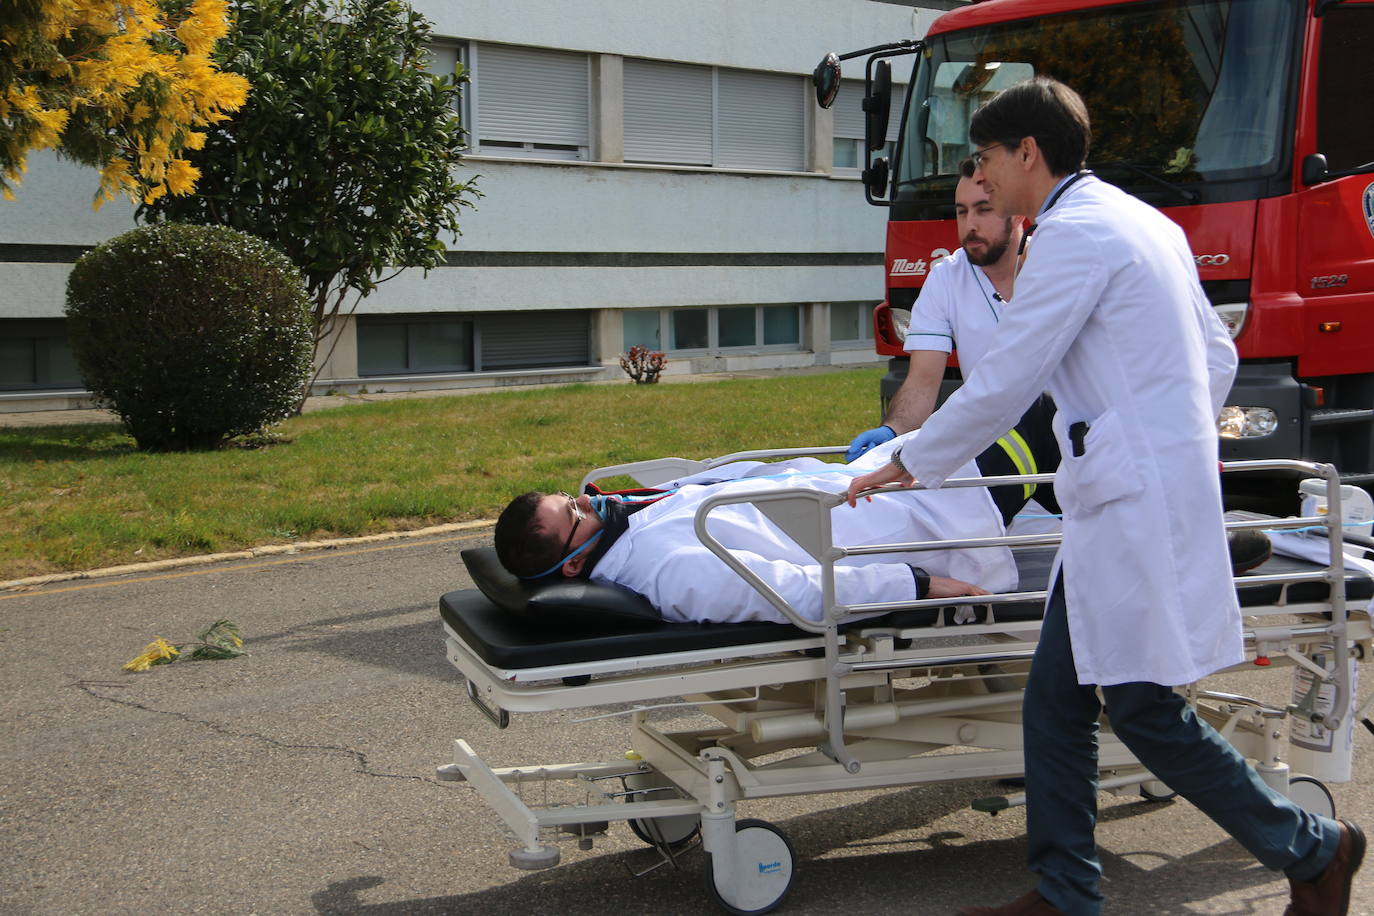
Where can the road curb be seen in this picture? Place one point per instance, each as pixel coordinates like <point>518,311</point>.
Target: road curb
<point>251,553</point>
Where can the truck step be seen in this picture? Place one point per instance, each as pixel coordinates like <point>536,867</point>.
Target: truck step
<point>1333,415</point>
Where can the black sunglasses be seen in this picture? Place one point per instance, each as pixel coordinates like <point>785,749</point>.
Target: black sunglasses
<point>577,520</point>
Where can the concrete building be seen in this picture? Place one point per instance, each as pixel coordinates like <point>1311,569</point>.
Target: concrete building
<point>654,173</point>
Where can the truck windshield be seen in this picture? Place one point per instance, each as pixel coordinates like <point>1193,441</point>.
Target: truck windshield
<point>1182,94</point>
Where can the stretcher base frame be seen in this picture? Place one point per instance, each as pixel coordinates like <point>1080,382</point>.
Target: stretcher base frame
<point>779,722</point>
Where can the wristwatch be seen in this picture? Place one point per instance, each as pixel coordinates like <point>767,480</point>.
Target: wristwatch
<point>922,581</point>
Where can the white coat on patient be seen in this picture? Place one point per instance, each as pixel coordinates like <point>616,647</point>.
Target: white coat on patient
<point>660,557</point>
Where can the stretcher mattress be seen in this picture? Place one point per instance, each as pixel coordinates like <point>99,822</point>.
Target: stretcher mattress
<point>512,626</point>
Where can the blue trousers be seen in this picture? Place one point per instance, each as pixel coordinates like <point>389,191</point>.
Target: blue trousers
<point>1164,733</point>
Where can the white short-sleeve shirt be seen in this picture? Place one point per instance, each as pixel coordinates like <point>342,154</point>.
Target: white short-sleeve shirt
<point>958,306</point>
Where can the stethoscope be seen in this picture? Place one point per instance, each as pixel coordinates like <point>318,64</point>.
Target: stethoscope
<point>1054,199</point>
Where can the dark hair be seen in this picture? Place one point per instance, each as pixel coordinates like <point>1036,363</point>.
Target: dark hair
<point>524,548</point>
<point>966,168</point>
<point>1043,108</point>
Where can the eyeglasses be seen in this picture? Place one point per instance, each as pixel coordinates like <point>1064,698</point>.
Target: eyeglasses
<point>577,520</point>
<point>979,154</point>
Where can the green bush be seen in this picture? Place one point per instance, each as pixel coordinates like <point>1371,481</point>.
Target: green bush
<point>191,334</point>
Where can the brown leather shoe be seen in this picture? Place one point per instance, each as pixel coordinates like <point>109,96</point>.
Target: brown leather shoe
<point>1329,895</point>
<point>1031,904</point>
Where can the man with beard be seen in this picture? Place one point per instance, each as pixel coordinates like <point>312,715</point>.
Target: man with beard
<point>959,306</point>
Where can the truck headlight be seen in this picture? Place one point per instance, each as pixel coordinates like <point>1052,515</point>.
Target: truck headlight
<point>901,322</point>
<point>1233,316</point>
<point>1246,422</point>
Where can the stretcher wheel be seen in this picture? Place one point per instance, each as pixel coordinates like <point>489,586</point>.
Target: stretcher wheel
<point>666,833</point>
<point>765,863</point>
<point>1311,794</point>
<point>535,859</point>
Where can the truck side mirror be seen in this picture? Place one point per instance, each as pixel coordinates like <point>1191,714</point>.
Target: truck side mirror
<point>877,106</point>
<point>826,79</point>
<point>1314,169</point>
<point>875,179</point>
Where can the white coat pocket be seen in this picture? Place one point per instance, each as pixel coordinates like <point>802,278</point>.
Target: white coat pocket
<point>1106,471</point>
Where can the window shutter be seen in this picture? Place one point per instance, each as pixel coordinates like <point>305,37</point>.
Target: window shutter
<point>760,121</point>
<point>849,111</point>
<point>528,340</point>
<point>894,112</point>
<point>530,95</point>
<point>667,112</point>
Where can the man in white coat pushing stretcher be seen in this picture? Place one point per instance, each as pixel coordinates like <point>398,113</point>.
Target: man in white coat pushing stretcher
<point>1111,320</point>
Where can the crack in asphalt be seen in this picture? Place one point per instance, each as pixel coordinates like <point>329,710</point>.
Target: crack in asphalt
<point>359,758</point>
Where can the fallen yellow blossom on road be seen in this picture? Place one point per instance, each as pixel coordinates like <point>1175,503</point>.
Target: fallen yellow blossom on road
<point>159,652</point>
<point>220,639</point>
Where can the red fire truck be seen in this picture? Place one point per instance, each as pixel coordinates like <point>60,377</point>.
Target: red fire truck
<point>1248,122</point>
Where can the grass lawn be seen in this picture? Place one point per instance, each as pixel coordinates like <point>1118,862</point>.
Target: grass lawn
<point>82,497</point>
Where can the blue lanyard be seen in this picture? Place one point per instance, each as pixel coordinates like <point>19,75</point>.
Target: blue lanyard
<point>1058,192</point>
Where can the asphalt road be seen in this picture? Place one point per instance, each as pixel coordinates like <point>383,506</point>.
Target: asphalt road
<point>300,778</point>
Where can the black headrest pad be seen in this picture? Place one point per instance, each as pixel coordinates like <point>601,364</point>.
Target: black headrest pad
<point>566,602</point>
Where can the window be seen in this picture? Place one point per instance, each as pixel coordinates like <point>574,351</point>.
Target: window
<point>444,59</point>
<point>1345,132</point>
<point>723,328</point>
<point>536,102</point>
<point>1200,94</point>
<point>642,329</point>
<point>668,112</point>
<point>735,327</point>
<point>761,120</point>
<point>392,345</point>
<point>532,340</point>
<point>688,114</point>
<point>472,342</point>
<point>35,353</point>
<point>851,322</point>
<point>781,325</point>
<point>691,329</point>
<point>848,132</point>
<point>530,102</point>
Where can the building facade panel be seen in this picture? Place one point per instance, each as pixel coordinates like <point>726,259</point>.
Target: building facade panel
<point>515,289</point>
<point>594,208</point>
<point>786,36</point>
<point>731,220</point>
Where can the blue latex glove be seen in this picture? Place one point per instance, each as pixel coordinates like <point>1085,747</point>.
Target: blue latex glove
<point>867,439</point>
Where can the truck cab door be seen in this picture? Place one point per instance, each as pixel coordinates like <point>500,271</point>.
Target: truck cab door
<point>1335,239</point>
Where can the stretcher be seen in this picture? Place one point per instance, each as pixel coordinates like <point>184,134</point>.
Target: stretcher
<point>928,692</point>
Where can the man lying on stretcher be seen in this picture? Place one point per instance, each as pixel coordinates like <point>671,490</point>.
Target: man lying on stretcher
<point>649,546</point>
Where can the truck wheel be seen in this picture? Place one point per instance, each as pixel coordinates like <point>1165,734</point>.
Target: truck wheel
<point>766,866</point>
